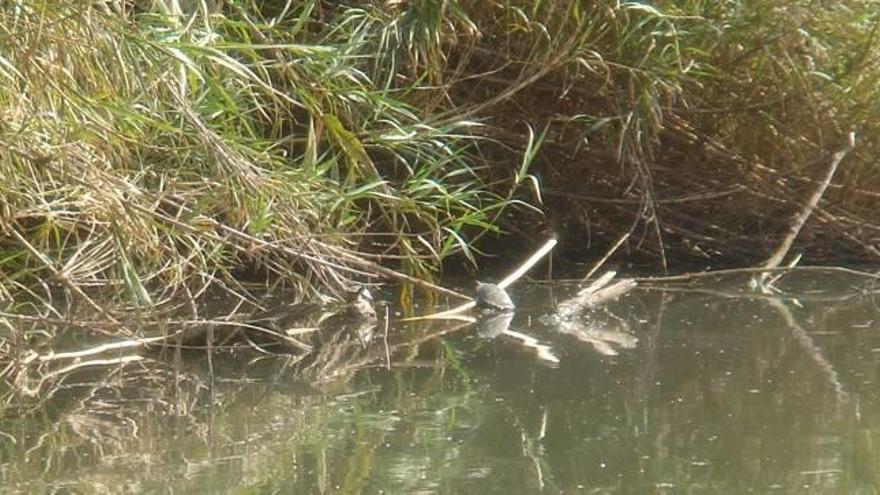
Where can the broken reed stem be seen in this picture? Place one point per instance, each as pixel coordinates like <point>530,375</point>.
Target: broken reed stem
<point>600,282</point>
<point>611,292</point>
<point>114,346</point>
<point>776,258</point>
<point>527,264</point>
<point>595,294</point>
<point>608,254</point>
<point>504,284</point>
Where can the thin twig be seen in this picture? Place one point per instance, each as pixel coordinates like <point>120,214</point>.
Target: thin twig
<point>608,254</point>
<point>528,264</point>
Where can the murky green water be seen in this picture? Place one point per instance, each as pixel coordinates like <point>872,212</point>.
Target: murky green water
<point>710,391</point>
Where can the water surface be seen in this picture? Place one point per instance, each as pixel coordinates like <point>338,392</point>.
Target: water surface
<point>704,388</point>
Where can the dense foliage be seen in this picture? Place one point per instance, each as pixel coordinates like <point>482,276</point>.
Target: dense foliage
<point>155,149</point>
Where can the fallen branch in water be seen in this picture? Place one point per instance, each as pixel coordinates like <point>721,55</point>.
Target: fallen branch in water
<point>687,277</point>
<point>610,292</point>
<point>779,254</point>
<point>138,343</point>
<point>91,351</point>
<point>753,296</point>
<point>599,292</point>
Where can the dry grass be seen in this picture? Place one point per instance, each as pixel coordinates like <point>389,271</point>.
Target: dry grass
<point>152,153</point>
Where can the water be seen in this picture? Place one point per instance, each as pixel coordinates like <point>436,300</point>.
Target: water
<point>710,391</point>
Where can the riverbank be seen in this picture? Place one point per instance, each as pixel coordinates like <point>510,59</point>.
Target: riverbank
<point>154,153</point>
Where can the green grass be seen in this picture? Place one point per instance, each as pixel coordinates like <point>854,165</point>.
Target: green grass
<point>148,153</point>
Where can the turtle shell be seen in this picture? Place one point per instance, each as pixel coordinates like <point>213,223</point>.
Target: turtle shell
<point>490,296</point>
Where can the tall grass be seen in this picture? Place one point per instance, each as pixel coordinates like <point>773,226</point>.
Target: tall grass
<point>703,125</point>
<point>156,149</point>
<point>151,151</point>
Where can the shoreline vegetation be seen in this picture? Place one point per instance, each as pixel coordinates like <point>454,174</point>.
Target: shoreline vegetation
<point>154,154</point>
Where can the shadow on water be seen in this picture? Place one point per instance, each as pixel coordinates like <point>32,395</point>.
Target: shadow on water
<point>705,389</point>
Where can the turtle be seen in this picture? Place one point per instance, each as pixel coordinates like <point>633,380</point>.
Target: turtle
<point>492,298</point>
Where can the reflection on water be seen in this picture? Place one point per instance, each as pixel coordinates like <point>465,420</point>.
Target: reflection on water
<point>701,390</point>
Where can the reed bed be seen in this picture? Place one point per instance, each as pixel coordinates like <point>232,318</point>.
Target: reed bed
<point>153,152</point>
<point>700,128</point>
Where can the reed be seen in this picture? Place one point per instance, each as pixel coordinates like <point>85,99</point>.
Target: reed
<point>154,150</point>
<point>151,152</point>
